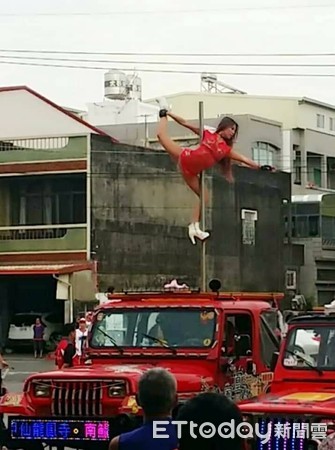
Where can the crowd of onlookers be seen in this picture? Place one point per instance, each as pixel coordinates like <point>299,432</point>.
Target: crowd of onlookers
<point>157,395</point>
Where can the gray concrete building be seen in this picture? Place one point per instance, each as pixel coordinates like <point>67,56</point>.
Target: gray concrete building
<point>313,226</point>
<point>140,209</point>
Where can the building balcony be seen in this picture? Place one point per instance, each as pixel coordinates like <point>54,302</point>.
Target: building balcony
<point>43,149</point>
<point>43,238</point>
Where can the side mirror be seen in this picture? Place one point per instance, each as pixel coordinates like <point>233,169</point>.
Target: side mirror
<point>243,345</point>
<point>274,361</point>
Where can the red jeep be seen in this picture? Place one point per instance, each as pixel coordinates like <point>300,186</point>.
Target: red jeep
<point>299,411</point>
<point>209,341</point>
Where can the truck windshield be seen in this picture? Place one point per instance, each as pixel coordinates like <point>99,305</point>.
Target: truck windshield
<point>144,327</point>
<point>310,347</point>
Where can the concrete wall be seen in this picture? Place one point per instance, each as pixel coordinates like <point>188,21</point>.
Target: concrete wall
<point>141,208</point>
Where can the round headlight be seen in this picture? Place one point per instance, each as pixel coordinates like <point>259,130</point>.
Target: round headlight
<point>117,390</point>
<point>42,390</point>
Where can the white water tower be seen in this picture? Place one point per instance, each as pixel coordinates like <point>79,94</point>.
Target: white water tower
<point>116,83</point>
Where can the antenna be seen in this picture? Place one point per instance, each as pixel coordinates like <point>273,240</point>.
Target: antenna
<point>210,83</point>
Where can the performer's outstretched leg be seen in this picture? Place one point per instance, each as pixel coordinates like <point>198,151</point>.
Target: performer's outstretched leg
<point>192,181</point>
<point>173,149</point>
<point>194,230</point>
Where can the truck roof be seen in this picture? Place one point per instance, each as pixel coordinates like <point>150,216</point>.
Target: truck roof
<point>238,300</point>
<point>313,318</point>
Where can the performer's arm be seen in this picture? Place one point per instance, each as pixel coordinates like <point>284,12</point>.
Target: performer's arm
<point>244,160</point>
<point>184,123</point>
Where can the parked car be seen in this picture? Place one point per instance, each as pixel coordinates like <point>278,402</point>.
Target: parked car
<point>21,329</point>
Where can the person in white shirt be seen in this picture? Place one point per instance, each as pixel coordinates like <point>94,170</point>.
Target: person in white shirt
<point>81,336</point>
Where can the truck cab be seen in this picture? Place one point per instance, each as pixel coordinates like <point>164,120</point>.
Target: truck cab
<point>214,341</point>
<point>302,395</point>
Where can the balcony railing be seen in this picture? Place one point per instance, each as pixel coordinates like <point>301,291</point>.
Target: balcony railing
<point>26,238</point>
<point>43,149</point>
<point>328,244</point>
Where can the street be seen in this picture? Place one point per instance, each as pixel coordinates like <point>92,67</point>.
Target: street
<point>21,366</point>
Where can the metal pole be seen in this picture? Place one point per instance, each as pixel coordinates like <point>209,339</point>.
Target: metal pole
<point>203,208</point>
<point>146,131</point>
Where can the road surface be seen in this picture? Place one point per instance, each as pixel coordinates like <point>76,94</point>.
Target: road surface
<point>21,366</point>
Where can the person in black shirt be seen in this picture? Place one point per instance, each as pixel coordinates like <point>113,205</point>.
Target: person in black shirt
<point>70,352</point>
<point>3,365</point>
<point>66,349</point>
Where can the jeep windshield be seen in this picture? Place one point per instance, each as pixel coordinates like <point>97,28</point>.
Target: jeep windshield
<point>311,347</point>
<point>144,327</point>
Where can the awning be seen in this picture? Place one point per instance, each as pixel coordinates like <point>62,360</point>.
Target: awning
<point>44,269</point>
<point>74,281</point>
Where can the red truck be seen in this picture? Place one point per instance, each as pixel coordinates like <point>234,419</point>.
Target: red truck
<point>299,410</point>
<point>209,341</point>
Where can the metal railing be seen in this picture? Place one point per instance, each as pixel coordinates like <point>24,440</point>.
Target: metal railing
<point>328,244</point>
<point>52,143</point>
<point>29,232</point>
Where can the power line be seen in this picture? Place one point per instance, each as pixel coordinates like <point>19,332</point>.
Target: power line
<point>172,63</point>
<point>168,11</point>
<point>257,74</point>
<point>202,55</point>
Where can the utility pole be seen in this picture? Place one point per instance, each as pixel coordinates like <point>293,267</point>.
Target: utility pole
<point>203,206</point>
<point>146,131</point>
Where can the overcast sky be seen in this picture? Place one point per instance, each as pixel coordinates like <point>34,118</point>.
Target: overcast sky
<point>171,26</point>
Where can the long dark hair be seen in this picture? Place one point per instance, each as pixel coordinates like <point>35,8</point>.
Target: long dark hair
<point>225,164</point>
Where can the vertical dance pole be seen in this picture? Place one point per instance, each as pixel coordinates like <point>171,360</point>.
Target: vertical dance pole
<point>203,208</point>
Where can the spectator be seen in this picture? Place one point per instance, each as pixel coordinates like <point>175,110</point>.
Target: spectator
<point>213,408</point>
<point>66,355</point>
<point>328,443</point>
<point>81,336</point>
<point>38,330</point>
<point>3,363</point>
<point>157,395</point>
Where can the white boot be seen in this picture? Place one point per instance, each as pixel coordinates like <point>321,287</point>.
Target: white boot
<point>195,232</point>
<point>163,104</point>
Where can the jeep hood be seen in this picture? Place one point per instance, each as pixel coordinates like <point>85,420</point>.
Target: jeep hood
<point>190,377</point>
<point>292,402</point>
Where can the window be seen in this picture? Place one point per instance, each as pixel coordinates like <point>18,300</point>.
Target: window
<point>305,226</point>
<point>46,202</point>
<point>320,120</point>
<point>154,327</point>
<point>269,340</point>
<point>328,228</point>
<point>249,218</point>
<point>310,347</point>
<point>332,123</point>
<point>263,153</point>
<point>236,325</point>
<point>317,177</point>
<point>291,279</point>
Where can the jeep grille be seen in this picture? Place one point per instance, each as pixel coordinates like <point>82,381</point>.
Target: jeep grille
<point>77,398</point>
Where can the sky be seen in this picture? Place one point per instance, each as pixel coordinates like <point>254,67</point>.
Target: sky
<point>174,26</point>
